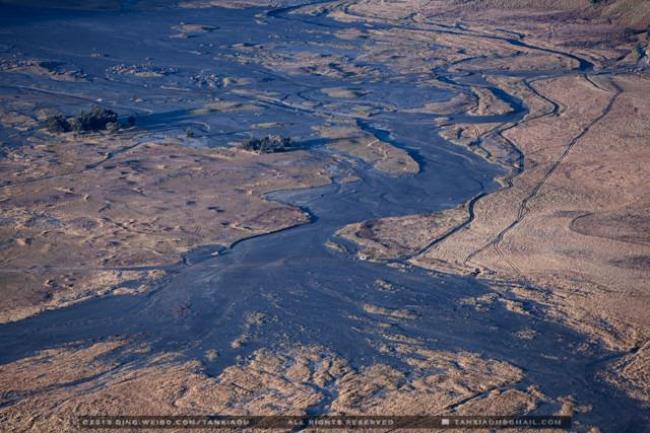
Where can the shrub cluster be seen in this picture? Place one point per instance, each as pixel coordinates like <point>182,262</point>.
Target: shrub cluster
<point>96,119</point>
<point>270,144</point>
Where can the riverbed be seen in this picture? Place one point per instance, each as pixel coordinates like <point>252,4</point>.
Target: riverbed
<point>304,292</point>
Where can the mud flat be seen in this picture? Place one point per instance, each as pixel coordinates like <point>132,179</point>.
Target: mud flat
<point>110,209</point>
<point>460,228</point>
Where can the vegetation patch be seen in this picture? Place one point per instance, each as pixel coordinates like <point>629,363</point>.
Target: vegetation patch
<point>95,119</point>
<point>270,144</point>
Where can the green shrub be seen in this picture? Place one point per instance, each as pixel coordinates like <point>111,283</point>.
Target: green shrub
<point>57,124</point>
<point>269,144</point>
<point>96,119</point>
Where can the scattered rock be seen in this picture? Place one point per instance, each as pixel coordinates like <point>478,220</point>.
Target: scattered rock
<point>211,355</point>
<point>141,71</point>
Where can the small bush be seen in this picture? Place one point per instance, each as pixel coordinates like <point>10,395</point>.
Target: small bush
<point>96,119</point>
<point>269,144</point>
<point>57,124</point>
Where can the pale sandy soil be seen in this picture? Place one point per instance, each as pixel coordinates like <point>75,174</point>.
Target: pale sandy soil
<point>487,103</point>
<point>29,292</point>
<point>353,142</point>
<point>398,237</point>
<point>267,383</point>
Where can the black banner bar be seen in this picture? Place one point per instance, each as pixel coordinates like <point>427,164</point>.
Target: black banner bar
<point>324,422</point>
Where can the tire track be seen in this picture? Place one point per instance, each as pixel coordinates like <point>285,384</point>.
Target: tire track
<point>524,208</point>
